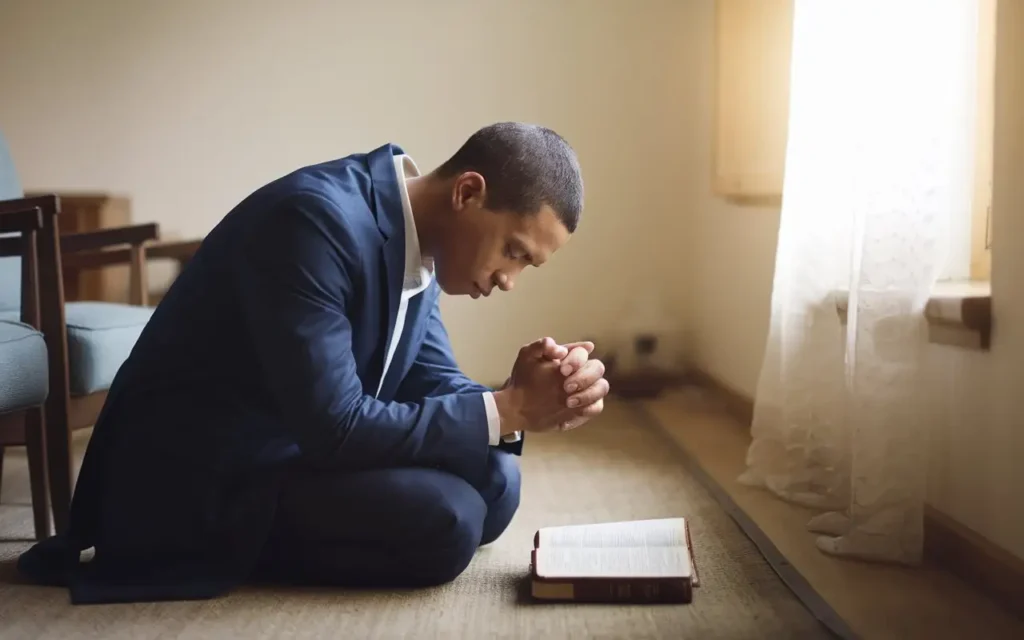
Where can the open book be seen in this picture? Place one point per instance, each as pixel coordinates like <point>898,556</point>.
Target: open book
<point>642,561</point>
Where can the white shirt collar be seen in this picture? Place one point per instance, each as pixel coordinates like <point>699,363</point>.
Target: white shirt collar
<point>419,271</point>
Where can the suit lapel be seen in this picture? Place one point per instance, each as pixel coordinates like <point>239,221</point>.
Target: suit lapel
<point>391,222</point>
<point>407,347</point>
<point>394,270</point>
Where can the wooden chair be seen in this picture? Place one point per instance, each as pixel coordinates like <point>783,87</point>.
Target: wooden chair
<point>24,370</point>
<point>101,274</point>
<point>86,341</point>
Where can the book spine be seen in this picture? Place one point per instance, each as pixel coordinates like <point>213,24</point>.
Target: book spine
<point>623,591</point>
<point>695,579</point>
<point>633,590</point>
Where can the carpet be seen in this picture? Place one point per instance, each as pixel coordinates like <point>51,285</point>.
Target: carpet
<point>618,467</point>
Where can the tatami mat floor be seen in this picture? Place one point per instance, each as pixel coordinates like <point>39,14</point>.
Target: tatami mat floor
<point>617,468</point>
<point>876,601</point>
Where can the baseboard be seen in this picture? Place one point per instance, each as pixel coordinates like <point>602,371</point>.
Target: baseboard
<point>978,561</point>
<point>738,404</point>
<point>947,543</point>
<point>643,384</point>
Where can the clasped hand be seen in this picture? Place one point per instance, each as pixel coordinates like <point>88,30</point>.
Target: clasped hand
<point>552,386</point>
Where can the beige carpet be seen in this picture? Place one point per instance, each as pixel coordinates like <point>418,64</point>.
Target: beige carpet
<point>615,468</point>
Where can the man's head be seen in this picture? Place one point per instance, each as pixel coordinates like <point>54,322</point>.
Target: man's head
<point>512,195</point>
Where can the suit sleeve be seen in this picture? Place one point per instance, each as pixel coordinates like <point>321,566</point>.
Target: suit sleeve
<point>434,372</point>
<point>296,271</point>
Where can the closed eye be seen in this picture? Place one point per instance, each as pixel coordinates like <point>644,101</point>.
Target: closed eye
<point>514,251</point>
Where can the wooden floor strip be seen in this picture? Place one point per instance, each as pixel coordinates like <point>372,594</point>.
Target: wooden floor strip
<point>802,589</point>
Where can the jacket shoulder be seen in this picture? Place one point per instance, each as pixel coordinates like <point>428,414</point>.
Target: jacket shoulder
<point>337,196</point>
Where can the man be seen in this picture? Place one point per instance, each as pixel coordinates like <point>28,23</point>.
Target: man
<point>293,410</point>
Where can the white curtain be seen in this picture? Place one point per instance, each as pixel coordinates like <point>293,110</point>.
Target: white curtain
<point>876,205</point>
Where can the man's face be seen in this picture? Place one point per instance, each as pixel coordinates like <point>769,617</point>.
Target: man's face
<point>484,249</point>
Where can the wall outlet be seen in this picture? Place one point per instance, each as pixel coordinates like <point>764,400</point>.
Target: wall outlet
<point>645,344</point>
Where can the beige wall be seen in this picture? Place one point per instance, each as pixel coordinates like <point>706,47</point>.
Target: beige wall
<point>729,251</point>
<point>975,474</point>
<point>189,105</point>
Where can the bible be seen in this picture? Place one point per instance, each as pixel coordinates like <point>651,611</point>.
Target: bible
<point>641,561</point>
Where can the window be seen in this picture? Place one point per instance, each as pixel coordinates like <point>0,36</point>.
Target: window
<point>752,58</point>
<point>981,214</point>
<point>752,96</point>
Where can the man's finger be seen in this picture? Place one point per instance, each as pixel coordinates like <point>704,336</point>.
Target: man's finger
<point>555,351</point>
<point>583,416</point>
<point>586,344</point>
<point>538,348</point>
<point>591,410</point>
<point>588,374</point>
<point>588,396</point>
<point>567,419</point>
<point>572,362</point>
<point>573,423</point>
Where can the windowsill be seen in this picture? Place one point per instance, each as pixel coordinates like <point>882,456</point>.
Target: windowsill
<point>959,314</point>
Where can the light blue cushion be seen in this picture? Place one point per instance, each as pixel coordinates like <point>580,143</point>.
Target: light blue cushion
<point>10,268</point>
<point>24,382</point>
<point>10,284</point>
<point>101,335</point>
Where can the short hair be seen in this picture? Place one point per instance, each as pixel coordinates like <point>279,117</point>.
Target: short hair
<point>525,166</point>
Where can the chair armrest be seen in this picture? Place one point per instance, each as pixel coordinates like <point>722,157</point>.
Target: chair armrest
<point>24,211</point>
<point>21,221</point>
<point>78,199</point>
<point>180,250</point>
<point>96,259</point>
<point>48,205</point>
<point>88,250</point>
<point>134,235</point>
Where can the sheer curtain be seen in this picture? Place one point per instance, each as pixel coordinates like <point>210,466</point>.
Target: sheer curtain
<point>875,210</point>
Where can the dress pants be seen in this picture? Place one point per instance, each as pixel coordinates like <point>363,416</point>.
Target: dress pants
<point>407,527</point>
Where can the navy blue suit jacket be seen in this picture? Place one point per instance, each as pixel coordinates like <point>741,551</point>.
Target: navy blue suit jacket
<point>264,356</point>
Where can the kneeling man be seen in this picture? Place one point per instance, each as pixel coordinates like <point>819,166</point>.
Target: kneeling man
<point>293,410</point>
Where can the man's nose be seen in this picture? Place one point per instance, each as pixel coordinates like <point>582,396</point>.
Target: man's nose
<point>505,281</point>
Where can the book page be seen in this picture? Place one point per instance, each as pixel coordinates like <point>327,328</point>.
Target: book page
<point>633,562</point>
<point>666,532</point>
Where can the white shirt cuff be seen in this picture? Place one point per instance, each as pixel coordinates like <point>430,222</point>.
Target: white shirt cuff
<point>494,422</point>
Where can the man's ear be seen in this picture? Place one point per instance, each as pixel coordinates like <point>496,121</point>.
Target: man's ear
<point>469,188</point>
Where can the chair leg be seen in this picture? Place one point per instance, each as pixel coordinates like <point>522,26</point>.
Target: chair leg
<point>35,444</point>
<point>1,470</point>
